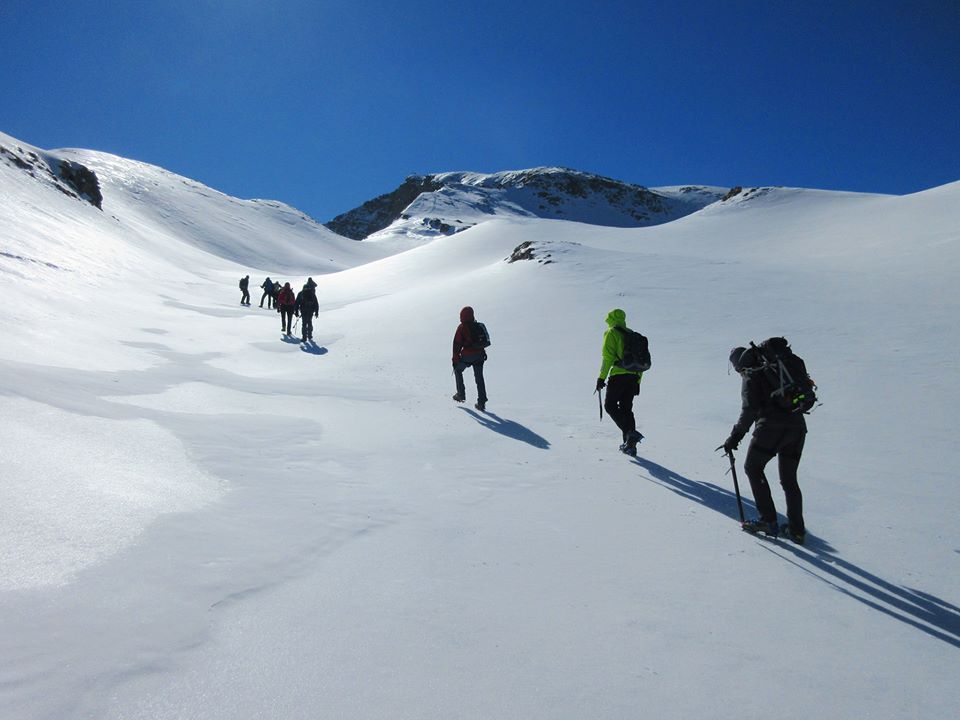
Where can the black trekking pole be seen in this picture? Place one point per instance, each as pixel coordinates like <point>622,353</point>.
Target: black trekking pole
<point>736,485</point>
<point>600,403</point>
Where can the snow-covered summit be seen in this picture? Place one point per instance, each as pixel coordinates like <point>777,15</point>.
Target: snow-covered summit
<point>425,206</point>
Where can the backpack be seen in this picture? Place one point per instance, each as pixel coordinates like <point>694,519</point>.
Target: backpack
<point>481,336</point>
<point>308,299</point>
<point>636,351</point>
<point>286,297</point>
<point>785,373</point>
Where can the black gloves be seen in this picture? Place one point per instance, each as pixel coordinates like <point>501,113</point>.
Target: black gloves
<point>730,444</point>
<point>601,384</point>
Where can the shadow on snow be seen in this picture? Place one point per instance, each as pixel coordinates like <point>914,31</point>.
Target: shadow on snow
<point>509,428</point>
<point>927,613</point>
<point>308,347</point>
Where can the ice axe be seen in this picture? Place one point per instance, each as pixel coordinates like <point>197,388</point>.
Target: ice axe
<point>736,485</point>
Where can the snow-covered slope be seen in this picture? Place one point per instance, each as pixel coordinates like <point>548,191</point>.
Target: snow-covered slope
<point>425,207</point>
<point>201,519</point>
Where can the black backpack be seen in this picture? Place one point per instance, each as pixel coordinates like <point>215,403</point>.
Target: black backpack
<point>636,351</point>
<point>481,336</point>
<point>785,375</point>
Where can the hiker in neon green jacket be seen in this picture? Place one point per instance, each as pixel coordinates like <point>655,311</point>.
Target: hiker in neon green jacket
<point>624,384</point>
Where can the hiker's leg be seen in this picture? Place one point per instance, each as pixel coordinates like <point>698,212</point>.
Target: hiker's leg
<point>757,459</point>
<point>458,369</point>
<point>789,461</point>
<point>619,402</point>
<point>481,385</point>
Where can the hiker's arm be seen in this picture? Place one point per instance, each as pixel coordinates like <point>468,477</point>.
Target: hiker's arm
<point>749,410</point>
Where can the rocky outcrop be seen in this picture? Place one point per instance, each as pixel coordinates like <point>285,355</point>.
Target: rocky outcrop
<point>380,212</point>
<point>83,180</point>
<point>528,251</point>
<point>70,178</point>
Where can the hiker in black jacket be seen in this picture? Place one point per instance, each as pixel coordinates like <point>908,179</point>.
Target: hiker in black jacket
<point>267,286</point>
<point>777,432</point>
<point>245,289</point>
<point>307,307</point>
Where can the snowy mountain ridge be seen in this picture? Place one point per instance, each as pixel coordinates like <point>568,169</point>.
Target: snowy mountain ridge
<point>426,206</point>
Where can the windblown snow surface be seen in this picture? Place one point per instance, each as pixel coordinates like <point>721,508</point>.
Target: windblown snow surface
<point>202,519</point>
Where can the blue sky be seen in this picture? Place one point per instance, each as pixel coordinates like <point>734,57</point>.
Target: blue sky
<point>326,104</point>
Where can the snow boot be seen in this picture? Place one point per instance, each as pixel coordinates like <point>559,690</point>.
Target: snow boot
<point>797,537</point>
<point>481,406</point>
<point>458,398</point>
<point>755,527</point>
<point>629,446</point>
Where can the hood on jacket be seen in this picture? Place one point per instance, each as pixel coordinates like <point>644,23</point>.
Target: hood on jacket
<point>466,315</point>
<point>286,286</point>
<point>617,318</point>
<point>744,358</point>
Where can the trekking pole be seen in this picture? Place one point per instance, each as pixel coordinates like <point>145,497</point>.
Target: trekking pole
<point>600,403</point>
<point>736,485</point>
<point>296,325</point>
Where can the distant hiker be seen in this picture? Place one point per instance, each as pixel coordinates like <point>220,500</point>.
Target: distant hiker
<point>469,343</point>
<point>267,286</point>
<point>625,357</point>
<point>307,307</point>
<point>244,288</point>
<point>286,302</point>
<point>311,283</point>
<point>276,292</point>
<point>780,430</point>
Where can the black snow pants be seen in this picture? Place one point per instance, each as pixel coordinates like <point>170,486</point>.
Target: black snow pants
<point>307,328</point>
<point>786,442</point>
<point>476,362</point>
<point>621,390</point>
<point>286,318</point>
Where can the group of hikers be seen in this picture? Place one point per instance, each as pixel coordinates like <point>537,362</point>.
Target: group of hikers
<point>288,304</point>
<point>776,392</point>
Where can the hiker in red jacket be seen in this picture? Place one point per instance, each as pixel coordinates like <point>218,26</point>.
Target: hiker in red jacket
<point>285,303</point>
<point>469,342</point>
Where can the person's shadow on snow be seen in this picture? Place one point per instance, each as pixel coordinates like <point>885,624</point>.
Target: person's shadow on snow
<point>509,428</point>
<point>311,347</point>
<point>716,498</point>
<point>927,613</point>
